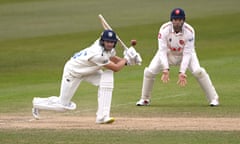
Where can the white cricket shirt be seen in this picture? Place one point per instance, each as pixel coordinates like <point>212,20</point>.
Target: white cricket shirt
<point>89,60</point>
<point>180,45</point>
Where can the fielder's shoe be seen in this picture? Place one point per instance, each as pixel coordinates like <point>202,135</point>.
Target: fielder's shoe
<point>35,113</point>
<point>107,120</point>
<point>143,102</point>
<point>214,103</point>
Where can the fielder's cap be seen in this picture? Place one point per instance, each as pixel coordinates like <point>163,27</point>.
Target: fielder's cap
<point>177,13</point>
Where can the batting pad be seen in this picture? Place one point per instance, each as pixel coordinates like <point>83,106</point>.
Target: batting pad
<point>105,94</point>
<point>107,79</point>
<point>206,84</point>
<point>147,86</point>
<point>52,103</point>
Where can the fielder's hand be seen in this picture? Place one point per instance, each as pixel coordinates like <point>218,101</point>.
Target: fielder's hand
<point>165,76</point>
<point>182,79</point>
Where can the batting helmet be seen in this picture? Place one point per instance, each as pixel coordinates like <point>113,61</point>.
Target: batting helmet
<point>109,35</point>
<point>177,13</point>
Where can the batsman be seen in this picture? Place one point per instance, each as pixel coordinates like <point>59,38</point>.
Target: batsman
<point>95,64</point>
<point>176,47</point>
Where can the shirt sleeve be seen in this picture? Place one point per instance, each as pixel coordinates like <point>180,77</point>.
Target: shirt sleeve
<point>100,60</point>
<point>189,48</point>
<point>162,47</point>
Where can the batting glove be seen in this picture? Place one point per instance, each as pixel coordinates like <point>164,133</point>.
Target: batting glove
<point>132,56</point>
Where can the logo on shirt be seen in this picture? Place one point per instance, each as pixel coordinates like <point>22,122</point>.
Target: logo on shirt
<point>181,42</point>
<point>191,39</point>
<point>105,61</point>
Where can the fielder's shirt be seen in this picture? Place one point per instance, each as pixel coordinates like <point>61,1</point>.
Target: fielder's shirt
<point>180,45</point>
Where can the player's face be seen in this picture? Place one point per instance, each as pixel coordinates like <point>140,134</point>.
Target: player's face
<point>177,25</point>
<point>108,45</point>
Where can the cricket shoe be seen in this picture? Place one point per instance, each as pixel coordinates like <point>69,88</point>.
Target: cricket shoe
<point>214,103</point>
<point>143,102</point>
<point>106,120</point>
<point>35,113</point>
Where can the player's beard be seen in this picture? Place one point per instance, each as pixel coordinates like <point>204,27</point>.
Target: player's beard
<point>178,27</point>
<point>108,46</point>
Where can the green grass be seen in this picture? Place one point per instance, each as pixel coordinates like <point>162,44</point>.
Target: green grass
<point>117,137</point>
<point>38,37</point>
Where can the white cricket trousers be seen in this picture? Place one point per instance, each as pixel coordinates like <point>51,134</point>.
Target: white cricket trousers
<point>194,67</point>
<point>103,79</point>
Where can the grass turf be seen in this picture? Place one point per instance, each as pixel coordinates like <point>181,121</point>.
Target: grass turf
<point>117,137</point>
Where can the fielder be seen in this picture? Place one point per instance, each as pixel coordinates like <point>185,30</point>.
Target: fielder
<point>176,48</point>
<point>87,65</point>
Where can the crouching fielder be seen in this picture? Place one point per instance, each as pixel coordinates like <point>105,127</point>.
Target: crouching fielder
<point>87,65</point>
<point>176,48</point>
